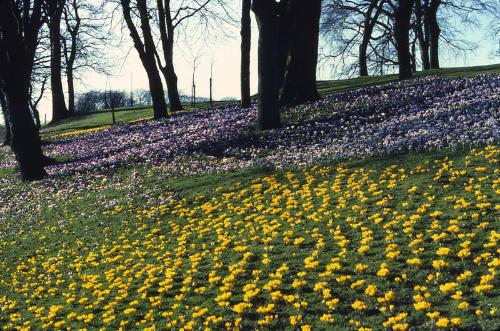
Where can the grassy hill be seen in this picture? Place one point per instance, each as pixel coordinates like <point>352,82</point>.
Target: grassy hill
<point>379,213</point>
<point>88,121</point>
<point>326,87</point>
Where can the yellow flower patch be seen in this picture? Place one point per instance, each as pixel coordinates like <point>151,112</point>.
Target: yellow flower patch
<point>317,248</point>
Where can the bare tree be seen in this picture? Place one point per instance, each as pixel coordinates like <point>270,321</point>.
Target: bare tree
<point>422,31</point>
<point>211,81</point>
<point>55,10</point>
<point>208,15</point>
<point>351,28</point>
<point>195,60</point>
<point>41,73</point>
<point>452,17</point>
<point>346,27</point>
<point>20,24</point>
<point>39,86</point>
<point>73,22</point>
<point>85,40</point>
<point>493,32</point>
<point>143,97</point>
<point>146,49</point>
<point>370,20</point>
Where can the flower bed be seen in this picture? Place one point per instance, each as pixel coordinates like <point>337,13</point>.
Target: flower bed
<point>418,115</point>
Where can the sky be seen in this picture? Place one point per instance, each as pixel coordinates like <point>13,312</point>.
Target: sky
<point>128,71</point>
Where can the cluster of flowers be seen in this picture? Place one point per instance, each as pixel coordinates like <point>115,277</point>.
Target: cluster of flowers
<point>417,115</point>
<point>321,248</point>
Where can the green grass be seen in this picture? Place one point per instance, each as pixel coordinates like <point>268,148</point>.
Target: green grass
<point>78,251</point>
<point>104,117</point>
<point>151,220</point>
<point>88,121</point>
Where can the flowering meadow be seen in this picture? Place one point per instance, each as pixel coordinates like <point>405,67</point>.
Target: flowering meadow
<point>418,115</point>
<point>198,223</point>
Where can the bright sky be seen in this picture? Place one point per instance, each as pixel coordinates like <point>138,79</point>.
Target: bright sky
<point>226,68</point>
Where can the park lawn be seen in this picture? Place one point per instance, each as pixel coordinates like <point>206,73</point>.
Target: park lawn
<point>96,120</point>
<point>91,121</point>
<point>379,243</point>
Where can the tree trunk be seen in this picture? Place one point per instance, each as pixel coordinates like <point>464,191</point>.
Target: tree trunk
<point>3,104</point>
<point>246,38</point>
<point>25,140</point>
<point>71,90</point>
<point>167,40</point>
<point>413,55</point>
<point>363,67</point>
<point>71,52</point>
<point>194,96</point>
<point>369,24</point>
<point>171,80</point>
<point>285,25</point>
<point>26,143</point>
<point>59,110</point>
<point>211,95</point>
<point>422,37</point>
<point>146,52</point>
<point>36,117</point>
<point>402,17</point>
<point>266,13</point>
<point>156,88</point>
<point>434,33</point>
<point>299,84</point>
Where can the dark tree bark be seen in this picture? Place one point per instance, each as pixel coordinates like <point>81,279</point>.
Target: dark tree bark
<point>3,104</point>
<point>59,110</point>
<point>19,29</point>
<point>167,30</point>
<point>246,39</point>
<point>70,52</point>
<point>299,84</point>
<point>363,66</point>
<point>146,52</point>
<point>413,56</point>
<point>70,78</point>
<point>422,33</point>
<point>368,26</point>
<point>402,15</point>
<point>35,101</point>
<point>285,25</point>
<point>36,118</point>
<point>266,14</point>
<point>26,143</point>
<point>434,33</point>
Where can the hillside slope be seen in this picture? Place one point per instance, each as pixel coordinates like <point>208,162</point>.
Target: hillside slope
<point>375,208</point>
<point>325,87</point>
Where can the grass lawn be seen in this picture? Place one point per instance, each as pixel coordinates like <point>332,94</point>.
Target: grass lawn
<point>101,118</point>
<point>376,243</point>
<point>93,120</point>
